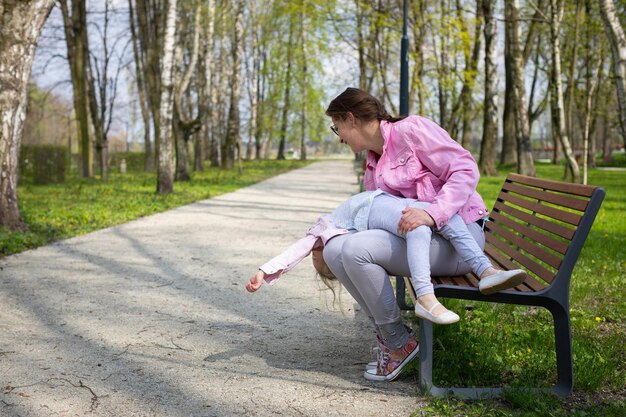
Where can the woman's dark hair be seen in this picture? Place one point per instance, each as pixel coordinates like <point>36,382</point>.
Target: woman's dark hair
<point>361,104</point>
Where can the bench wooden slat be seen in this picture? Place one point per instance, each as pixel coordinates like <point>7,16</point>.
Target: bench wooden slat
<point>576,189</point>
<point>520,258</point>
<point>531,236</point>
<point>499,261</point>
<point>558,199</point>
<point>564,216</point>
<point>554,228</point>
<point>533,249</point>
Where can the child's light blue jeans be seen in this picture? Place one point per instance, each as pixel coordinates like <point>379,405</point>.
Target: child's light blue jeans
<point>385,214</point>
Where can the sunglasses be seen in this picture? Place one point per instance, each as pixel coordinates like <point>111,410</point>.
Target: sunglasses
<point>334,129</point>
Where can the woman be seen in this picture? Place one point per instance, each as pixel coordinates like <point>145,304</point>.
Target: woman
<point>414,158</point>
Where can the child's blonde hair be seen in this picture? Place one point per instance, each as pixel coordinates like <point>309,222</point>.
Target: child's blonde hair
<point>323,271</point>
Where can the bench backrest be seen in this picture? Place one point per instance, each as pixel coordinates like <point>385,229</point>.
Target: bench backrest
<point>541,225</point>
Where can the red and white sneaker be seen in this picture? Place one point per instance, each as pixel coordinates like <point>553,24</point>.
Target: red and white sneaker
<point>392,361</point>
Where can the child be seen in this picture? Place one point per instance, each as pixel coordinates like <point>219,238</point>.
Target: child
<point>379,210</point>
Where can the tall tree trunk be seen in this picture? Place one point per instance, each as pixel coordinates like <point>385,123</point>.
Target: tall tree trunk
<point>361,6</point>
<point>233,140</point>
<point>305,81</point>
<point>488,149</point>
<point>525,164</point>
<point>509,154</point>
<point>469,79</point>
<point>617,39</point>
<point>21,26</point>
<point>419,30</point>
<point>184,125</point>
<point>556,15</point>
<point>150,23</point>
<point>286,102</point>
<point>253,138</point>
<point>203,140</point>
<point>165,168</point>
<point>218,90</point>
<point>571,77</point>
<point>148,163</point>
<point>75,25</point>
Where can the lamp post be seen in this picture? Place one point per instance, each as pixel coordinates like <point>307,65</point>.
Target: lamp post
<point>404,65</point>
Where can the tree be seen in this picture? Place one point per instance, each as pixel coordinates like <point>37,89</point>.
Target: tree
<point>487,162</point>
<point>21,26</point>
<point>556,15</point>
<point>287,95</point>
<point>617,39</point>
<point>305,81</point>
<point>509,154</point>
<point>150,19</point>
<point>141,90</point>
<point>75,25</point>
<point>184,124</point>
<point>232,142</point>
<point>165,169</point>
<point>525,163</point>
<point>102,86</point>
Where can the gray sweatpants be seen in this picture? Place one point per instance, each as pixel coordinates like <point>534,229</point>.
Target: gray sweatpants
<point>363,261</point>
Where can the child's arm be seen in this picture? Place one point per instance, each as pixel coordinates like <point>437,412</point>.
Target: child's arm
<point>256,281</point>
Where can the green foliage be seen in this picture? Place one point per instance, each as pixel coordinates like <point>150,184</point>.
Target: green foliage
<point>81,205</point>
<point>43,164</point>
<point>134,161</point>
<point>494,344</point>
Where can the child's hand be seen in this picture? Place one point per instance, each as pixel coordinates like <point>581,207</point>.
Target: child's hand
<point>255,282</point>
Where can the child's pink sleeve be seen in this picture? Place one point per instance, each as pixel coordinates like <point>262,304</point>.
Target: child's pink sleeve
<point>291,257</point>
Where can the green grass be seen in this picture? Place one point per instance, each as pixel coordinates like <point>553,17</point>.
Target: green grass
<point>80,206</point>
<point>514,345</point>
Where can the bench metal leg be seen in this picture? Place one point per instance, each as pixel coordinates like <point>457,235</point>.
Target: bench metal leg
<point>564,361</point>
<point>563,346</point>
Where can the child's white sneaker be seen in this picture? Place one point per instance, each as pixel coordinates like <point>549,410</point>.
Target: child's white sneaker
<point>502,280</point>
<point>448,317</point>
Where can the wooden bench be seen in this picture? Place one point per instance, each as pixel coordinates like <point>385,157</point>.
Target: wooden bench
<point>541,226</point>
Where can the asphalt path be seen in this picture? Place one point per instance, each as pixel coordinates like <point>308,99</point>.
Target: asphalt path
<point>151,318</point>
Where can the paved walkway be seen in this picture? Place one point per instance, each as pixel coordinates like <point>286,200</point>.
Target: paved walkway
<point>151,318</point>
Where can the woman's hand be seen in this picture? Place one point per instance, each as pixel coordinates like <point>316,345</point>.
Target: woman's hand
<point>412,218</point>
<point>256,281</point>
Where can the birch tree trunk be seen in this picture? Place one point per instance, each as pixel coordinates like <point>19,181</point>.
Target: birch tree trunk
<point>165,168</point>
<point>232,140</point>
<point>21,26</point>
<point>487,163</point>
<point>558,108</point>
<point>617,39</point>
<point>525,164</point>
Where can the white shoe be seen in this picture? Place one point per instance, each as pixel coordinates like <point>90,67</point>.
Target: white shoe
<point>448,317</point>
<point>502,280</point>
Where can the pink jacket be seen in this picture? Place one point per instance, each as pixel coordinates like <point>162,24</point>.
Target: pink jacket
<point>316,236</point>
<point>420,160</point>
